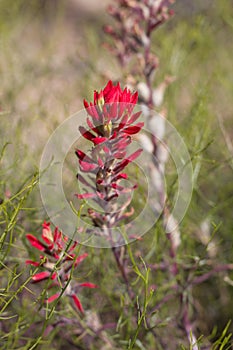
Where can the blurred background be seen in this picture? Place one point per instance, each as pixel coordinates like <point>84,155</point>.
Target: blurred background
<point>52,56</point>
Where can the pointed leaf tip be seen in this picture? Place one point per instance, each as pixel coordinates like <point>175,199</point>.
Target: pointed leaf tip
<point>77,302</point>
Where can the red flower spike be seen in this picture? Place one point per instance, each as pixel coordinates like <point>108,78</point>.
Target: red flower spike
<point>77,302</point>
<point>111,128</point>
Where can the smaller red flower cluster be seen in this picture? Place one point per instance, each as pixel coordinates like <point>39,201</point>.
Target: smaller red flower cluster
<point>57,262</point>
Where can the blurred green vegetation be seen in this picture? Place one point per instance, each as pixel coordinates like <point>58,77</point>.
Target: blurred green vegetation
<point>51,57</point>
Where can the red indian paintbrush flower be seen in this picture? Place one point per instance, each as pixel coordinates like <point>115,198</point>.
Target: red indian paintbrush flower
<point>111,125</point>
<point>57,263</point>
<point>111,114</point>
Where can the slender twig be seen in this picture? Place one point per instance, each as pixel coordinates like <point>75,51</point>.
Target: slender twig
<point>207,275</point>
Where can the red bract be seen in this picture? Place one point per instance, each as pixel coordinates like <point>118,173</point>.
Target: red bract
<point>57,263</point>
<point>36,243</point>
<point>37,277</point>
<point>77,302</point>
<point>112,94</point>
<point>111,105</point>
<point>111,125</point>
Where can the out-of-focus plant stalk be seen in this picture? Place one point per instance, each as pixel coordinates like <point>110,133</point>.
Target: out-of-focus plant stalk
<point>136,22</point>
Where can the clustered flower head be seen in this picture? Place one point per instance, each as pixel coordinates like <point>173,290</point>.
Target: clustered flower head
<point>111,125</point>
<point>57,262</point>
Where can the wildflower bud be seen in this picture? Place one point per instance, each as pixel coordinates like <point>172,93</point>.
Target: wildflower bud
<point>57,250</point>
